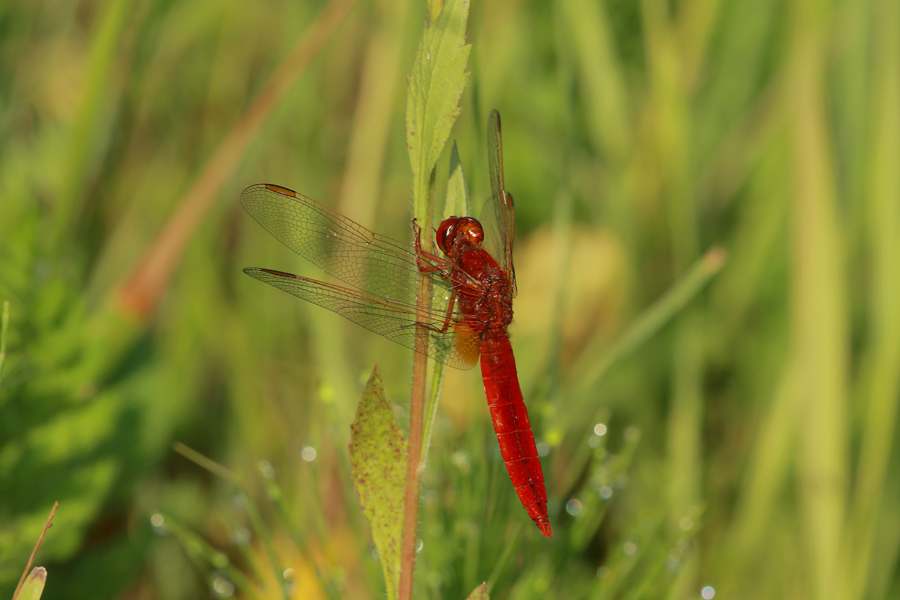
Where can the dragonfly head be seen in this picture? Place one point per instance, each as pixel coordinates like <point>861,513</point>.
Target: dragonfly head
<point>458,234</point>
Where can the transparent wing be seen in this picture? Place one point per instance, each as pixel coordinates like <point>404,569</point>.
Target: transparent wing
<point>394,320</point>
<point>366,260</point>
<point>503,207</point>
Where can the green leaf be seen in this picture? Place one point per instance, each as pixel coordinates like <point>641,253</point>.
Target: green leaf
<point>4,326</point>
<point>457,203</point>
<point>378,455</point>
<point>34,584</point>
<point>435,85</point>
<point>206,556</point>
<point>479,593</point>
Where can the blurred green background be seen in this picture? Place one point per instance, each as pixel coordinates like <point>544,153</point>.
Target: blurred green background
<point>737,444</point>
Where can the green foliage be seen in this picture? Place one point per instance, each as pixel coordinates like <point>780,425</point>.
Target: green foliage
<point>748,414</point>
<point>457,201</point>
<point>435,86</point>
<point>4,328</point>
<point>479,593</point>
<point>34,584</point>
<point>378,459</point>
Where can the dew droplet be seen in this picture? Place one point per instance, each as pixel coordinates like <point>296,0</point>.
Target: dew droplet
<point>327,393</point>
<point>708,592</point>
<point>460,458</point>
<point>600,429</point>
<point>266,468</point>
<point>543,448</point>
<point>632,434</point>
<point>222,586</point>
<point>240,536</point>
<point>158,523</point>
<point>290,583</point>
<point>573,507</point>
<point>308,453</point>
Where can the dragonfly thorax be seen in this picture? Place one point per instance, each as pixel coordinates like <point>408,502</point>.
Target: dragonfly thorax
<point>488,304</point>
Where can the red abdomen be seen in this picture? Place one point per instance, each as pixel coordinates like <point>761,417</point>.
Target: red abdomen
<point>501,385</point>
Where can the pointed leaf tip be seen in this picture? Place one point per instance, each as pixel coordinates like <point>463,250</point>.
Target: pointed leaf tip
<point>34,584</point>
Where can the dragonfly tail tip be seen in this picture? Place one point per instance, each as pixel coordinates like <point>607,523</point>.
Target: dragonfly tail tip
<point>543,524</point>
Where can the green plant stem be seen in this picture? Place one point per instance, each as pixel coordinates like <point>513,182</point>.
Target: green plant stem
<point>47,525</point>
<point>4,326</point>
<point>415,458</point>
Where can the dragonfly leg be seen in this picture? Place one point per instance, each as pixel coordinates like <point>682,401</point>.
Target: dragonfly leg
<point>422,256</point>
<point>446,325</point>
<point>447,319</point>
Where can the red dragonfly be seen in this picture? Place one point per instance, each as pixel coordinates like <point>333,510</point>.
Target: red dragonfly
<point>471,305</point>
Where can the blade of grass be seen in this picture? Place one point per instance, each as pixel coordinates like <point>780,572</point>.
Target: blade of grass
<point>300,539</point>
<point>205,555</point>
<point>104,51</point>
<point>374,108</point>
<point>142,290</point>
<point>252,510</point>
<point>818,311</point>
<point>4,327</point>
<point>606,95</point>
<point>508,548</point>
<point>587,372</point>
<point>880,380</point>
<point>767,476</point>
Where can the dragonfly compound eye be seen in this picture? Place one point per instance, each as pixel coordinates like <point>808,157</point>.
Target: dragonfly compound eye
<point>446,234</point>
<point>470,230</point>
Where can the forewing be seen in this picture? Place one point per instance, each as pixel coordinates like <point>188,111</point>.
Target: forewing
<point>503,207</point>
<point>394,320</point>
<point>372,262</point>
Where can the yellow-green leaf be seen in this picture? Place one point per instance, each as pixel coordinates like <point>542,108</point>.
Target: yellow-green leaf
<point>34,584</point>
<point>457,203</point>
<point>435,85</point>
<point>479,593</point>
<point>378,464</point>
